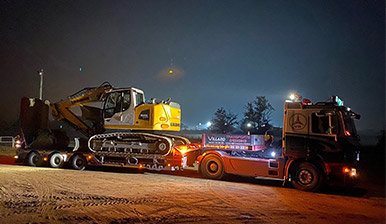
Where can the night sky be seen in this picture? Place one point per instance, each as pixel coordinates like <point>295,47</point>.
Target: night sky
<point>224,53</point>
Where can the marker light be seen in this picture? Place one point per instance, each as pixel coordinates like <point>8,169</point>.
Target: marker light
<point>353,172</point>
<point>182,149</point>
<point>295,97</point>
<point>16,157</point>
<point>164,126</point>
<point>45,159</point>
<point>337,100</point>
<point>89,157</point>
<point>140,166</point>
<point>346,170</point>
<point>347,133</point>
<point>18,144</point>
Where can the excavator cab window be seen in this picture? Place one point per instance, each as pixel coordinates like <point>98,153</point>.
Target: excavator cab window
<point>126,101</point>
<point>116,102</point>
<point>112,104</point>
<point>139,99</point>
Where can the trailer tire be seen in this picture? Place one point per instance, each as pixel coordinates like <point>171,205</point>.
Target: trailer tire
<point>56,160</point>
<point>306,177</point>
<point>212,167</point>
<point>34,159</point>
<point>78,162</point>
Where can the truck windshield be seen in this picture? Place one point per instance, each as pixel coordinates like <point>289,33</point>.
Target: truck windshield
<point>349,125</point>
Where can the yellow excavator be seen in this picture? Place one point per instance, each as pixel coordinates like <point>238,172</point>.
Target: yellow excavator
<point>115,120</point>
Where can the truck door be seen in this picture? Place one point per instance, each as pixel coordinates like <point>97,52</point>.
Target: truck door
<point>295,132</point>
<point>325,129</point>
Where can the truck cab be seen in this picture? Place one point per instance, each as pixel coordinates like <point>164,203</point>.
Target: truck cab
<point>319,145</point>
<point>322,136</point>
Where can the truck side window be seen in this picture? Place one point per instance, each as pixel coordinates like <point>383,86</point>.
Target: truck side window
<point>335,124</point>
<point>320,125</point>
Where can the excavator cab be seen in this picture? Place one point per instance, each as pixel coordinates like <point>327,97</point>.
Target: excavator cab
<point>119,107</point>
<point>126,109</point>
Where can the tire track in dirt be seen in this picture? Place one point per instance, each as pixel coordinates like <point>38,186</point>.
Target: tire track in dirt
<point>236,202</point>
<point>42,198</point>
<point>10,197</point>
<point>20,204</point>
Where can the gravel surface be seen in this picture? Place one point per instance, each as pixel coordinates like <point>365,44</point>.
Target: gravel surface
<point>121,195</point>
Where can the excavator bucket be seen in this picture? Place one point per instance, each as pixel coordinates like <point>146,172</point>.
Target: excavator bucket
<point>35,126</point>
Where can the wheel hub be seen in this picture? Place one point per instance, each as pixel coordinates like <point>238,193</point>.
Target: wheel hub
<point>35,159</point>
<point>305,177</point>
<point>213,167</point>
<point>79,162</point>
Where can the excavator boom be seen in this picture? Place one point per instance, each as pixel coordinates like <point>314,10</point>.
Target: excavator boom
<point>62,109</point>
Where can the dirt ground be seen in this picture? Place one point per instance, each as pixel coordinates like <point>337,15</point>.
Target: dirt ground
<point>121,195</point>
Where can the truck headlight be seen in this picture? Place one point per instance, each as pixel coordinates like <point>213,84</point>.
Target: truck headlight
<point>353,172</point>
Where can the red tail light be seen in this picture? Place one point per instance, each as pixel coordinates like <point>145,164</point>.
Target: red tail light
<point>347,133</point>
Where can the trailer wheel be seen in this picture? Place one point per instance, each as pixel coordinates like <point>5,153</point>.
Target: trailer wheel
<point>56,160</point>
<point>34,159</point>
<point>212,167</point>
<point>78,162</point>
<point>306,177</point>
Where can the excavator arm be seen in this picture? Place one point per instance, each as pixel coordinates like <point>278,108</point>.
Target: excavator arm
<point>91,121</point>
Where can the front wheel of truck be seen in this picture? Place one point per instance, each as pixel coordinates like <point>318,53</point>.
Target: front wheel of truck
<point>306,177</point>
<point>212,167</point>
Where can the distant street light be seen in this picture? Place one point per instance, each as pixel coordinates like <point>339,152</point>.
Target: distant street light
<point>40,72</point>
<point>208,124</point>
<point>249,125</point>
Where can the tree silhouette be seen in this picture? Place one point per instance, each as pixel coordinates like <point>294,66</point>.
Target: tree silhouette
<point>257,116</point>
<point>223,121</point>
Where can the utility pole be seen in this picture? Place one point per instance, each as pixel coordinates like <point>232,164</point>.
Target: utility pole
<point>40,72</point>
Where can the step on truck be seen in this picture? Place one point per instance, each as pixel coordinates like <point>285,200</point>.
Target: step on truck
<point>320,146</point>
